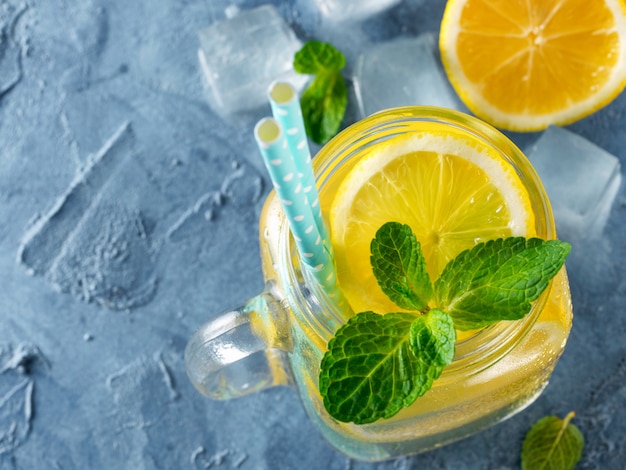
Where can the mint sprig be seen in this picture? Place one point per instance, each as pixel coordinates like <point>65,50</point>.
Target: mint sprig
<point>552,443</point>
<point>325,99</point>
<point>378,364</point>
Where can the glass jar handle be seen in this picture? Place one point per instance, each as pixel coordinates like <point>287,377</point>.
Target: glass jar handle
<point>242,351</point>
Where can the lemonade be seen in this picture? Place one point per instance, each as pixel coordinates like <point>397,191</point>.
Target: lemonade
<point>457,182</point>
<point>490,191</point>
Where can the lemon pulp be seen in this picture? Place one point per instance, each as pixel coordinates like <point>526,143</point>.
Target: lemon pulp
<point>451,190</point>
<point>525,65</point>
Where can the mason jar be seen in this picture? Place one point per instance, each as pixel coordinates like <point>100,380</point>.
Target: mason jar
<point>280,336</point>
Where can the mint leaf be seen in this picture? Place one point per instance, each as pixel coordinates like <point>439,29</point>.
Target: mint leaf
<point>497,280</point>
<point>324,105</point>
<point>369,371</point>
<point>325,100</point>
<point>378,364</point>
<point>552,444</point>
<point>318,57</point>
<point>399,266</point>
<point>432,341</point>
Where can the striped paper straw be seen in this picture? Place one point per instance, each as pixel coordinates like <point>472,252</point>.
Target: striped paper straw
<point>287,111</point>
<point>284,175</point>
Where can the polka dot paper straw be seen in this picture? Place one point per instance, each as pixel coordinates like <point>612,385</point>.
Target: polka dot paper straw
<point>286,110</point>
<point>289,188</point>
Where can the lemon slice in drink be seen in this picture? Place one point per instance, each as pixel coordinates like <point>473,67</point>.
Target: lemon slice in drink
<point>452,191</point>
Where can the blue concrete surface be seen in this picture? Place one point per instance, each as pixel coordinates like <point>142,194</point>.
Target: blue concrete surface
<point>128,217</point>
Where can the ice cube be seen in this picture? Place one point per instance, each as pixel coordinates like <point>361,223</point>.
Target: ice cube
<point>581,180</point>
<point>351,10</point>
<point>402,72</point>
<point>242,55</point>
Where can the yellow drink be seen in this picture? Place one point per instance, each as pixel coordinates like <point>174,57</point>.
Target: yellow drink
<point>497,371</point>
<point>280,336</point>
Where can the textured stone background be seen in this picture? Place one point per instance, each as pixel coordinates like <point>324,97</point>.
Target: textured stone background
<point>115,172</point>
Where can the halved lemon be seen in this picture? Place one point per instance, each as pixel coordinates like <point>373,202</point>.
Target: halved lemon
<point>452,191</point>
<point>523,65</point>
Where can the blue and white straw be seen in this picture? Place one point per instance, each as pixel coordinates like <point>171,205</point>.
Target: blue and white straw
<point>284,175</point>
<point>286,180</point>
<point>287,111</point>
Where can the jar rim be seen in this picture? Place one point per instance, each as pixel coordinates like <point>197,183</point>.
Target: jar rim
<point>484,347</point>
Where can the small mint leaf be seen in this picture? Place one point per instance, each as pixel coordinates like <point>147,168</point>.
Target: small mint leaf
<point>324,105</point>
<point>399,266</point>
<point>369,371</point>
<point>552,443</point>
<point>498,280</point>
<point>325,99</point>
<point>318,57</point>
<point>432,341</point>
